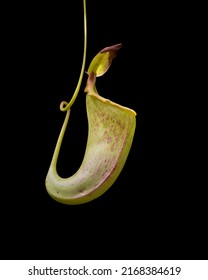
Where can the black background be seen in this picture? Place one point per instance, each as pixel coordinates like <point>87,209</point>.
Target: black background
<point>152,211</point>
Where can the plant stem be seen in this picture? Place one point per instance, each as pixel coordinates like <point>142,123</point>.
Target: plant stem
<point>64,106</point>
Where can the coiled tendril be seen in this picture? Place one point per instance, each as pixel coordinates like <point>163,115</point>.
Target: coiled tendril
<point>64,106</point>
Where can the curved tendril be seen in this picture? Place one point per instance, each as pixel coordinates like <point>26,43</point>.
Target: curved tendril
<point>64,106</point>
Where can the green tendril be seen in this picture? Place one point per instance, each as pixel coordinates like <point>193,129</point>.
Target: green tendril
<point>64,106</point>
